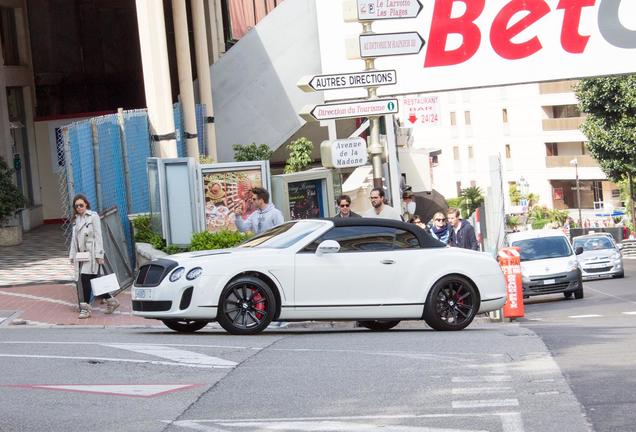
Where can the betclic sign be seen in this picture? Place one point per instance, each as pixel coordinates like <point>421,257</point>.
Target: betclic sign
<point>476,43</point>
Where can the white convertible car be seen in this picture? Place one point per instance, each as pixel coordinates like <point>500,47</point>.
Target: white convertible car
<point>374,271</point>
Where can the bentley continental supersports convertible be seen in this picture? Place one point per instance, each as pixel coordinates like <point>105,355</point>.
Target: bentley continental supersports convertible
<point>374,271</point>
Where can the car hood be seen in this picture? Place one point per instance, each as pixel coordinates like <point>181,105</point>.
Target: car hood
<point>546,266</point>
<point>597,255</point>
<point>243,252</point>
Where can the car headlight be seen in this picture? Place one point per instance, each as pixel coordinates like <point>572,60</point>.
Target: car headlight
<point>616,256</point>
<point>194,273</point>
<point>176,275</point>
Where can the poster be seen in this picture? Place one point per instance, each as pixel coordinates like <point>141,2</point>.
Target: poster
<point>227,191</point>
<point>557,193</point>
<point>305,199</point>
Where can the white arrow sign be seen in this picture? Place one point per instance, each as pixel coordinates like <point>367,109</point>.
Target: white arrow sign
<point>390,44</point>
<point>376,107</point>
<point>347,80</point>
<point>368,10</point>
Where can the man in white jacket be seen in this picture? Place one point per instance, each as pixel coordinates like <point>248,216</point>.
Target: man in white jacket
<point>265,217</point>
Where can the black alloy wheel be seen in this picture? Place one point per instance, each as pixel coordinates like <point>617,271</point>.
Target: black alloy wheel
<point>452,303</point>
<point>247,306</point>
<point>185,326</point>
<point>378,325</point>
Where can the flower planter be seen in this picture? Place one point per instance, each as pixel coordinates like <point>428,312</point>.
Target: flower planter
<point>10,235</point>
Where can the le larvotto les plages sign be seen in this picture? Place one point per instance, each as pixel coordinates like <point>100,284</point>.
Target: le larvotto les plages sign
<point>476,43</point>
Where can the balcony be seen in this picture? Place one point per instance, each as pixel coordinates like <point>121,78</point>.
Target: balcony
<point>564,161</point>
<point>557,87</point>
<point>562,124</point>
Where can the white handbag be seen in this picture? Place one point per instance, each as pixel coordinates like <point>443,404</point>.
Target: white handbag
<point>82,256</point>
<point>104,284</point>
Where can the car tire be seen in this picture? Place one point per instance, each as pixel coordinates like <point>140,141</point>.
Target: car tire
<point>185,326</point>
<point>247,306</point>
<point>378,325</point>
<point>568,294</point>
<point>620,275</point>
<point>578,294</point>
<point>451,304</point>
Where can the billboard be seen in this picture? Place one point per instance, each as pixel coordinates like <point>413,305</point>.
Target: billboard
<point>478,43</point>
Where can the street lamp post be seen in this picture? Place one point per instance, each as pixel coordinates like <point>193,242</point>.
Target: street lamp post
<point>575,162</point>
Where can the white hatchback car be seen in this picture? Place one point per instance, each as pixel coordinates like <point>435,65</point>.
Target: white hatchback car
<point>374,271</point>
<point>601,257</point>
<point>548,263</point>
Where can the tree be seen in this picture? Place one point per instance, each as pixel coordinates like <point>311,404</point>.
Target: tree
<point>514,194</point>
<point>251,152</point>
<point>472,199</point>
<point>11,199</point>
<point>610,126</point>
<point>299,155</point>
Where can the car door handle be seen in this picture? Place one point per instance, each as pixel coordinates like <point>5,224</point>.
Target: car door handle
<point>387,261</point>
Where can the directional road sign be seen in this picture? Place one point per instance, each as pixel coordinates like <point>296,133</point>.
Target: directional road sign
<point>344,153</point>
<point>373,107</point>
<point>372,78</point>
<point>390,44</point>
<point>369,10</point>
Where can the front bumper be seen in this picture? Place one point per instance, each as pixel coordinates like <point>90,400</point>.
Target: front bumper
<point>601,269</point>
<point>553,283</point>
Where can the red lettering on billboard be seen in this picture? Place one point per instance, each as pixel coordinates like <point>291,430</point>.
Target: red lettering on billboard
<point>571,40</point>
<point>501,34</point>
<point>443,25</point>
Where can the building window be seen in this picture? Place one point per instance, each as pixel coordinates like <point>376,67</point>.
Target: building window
<point>508,152</point>
<point>504,115</point>
<point>584,150</point>
<point>565,111</point>
<point>9,37</point>
<point>456,153</point>
<point>471,153</point>
<point>467,118</point>
<point>434,160</point>
<point>245,14</point>
<point>458,185</point>
<point>473,183</point>
<point>453,118</point>
<point>551,149</point>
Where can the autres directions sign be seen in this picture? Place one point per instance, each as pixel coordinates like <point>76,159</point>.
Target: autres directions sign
<point>374,107</point>
<point>372,78</point>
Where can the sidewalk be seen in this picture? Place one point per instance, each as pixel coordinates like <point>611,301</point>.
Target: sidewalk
<point>37,287</point>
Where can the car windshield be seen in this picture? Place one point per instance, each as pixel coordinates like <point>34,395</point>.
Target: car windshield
<point>543,247</point>
<point>594,243</point>
<point>283,236</point>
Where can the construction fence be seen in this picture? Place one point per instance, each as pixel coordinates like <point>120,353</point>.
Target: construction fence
<point>105,157</point>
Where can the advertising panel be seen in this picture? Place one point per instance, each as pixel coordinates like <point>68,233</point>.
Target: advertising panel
<point>306,199</point>
<point>226,189</point>
<point>470,44</point>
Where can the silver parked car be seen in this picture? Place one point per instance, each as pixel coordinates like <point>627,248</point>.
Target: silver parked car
<point>601,257</point>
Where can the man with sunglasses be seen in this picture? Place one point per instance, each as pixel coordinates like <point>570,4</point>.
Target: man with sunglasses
<point>379,209</point>
<point>265,217</point>
<point>344,204</point>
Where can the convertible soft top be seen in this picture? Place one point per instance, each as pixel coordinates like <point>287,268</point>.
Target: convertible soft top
<point>425,239</point>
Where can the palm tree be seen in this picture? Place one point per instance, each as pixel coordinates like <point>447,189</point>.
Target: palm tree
<point>472,199</point>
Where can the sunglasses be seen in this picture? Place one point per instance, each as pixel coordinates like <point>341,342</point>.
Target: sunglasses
<point>344,205</point>
<point>440,220</point>
<point>79,205</point>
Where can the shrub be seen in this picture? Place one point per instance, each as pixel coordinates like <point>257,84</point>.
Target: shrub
<point>299,155</point>
<point>251,152</point>
<point>145,234</point>
<point>11,199</point>
<point>217,240</point>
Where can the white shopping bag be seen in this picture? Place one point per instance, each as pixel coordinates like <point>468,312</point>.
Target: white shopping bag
<point>105,284</point>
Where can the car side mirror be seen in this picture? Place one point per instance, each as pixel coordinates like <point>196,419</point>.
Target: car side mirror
<point>578,250</point>
<point>328,247</point>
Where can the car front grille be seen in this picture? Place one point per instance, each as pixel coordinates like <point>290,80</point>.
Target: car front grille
<point>151,275</point>
<point>151,306</point>
<point>597,269</point>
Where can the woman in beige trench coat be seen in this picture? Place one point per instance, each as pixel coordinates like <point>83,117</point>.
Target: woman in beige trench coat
<point>87,253</point>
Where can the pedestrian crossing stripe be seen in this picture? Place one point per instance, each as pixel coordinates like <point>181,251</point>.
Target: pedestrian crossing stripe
<point>132,390</point>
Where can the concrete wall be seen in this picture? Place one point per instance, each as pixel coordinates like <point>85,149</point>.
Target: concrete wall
<point>254,83</point>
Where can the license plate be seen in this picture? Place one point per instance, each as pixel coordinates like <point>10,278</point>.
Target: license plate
<point>598,265</point>
<point>142,294</point>
<point>549,282</point>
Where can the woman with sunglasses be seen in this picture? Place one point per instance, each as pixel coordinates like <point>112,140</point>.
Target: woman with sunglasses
<point>344,206</point>
<point>440,230</point>
<point>87,253</point>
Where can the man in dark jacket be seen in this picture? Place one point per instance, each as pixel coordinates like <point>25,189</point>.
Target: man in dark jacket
<point>462,233</point>
<point>344,204</point>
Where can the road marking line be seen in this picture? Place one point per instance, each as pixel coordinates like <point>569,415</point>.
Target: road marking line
<point>140,390</point>
<point>485,378</point>
<point>177,355</point>
<point>108,359</point>
<point>587,287</point>
<point>38,298</point>
<point>510,420</point>
<point>629,313</point>
<point>585,316</point>
<point>485,403</point>
<point>480,390</point>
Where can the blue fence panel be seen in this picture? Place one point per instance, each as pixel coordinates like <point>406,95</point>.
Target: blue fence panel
<point>202,138</point>
<point>81,146</point>
<point>138,147</point>
<point>111,172</point>
<point>178,124</point>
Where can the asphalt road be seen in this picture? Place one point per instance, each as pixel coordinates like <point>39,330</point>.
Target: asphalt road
<point>593,340</point>
<point>497,377</point>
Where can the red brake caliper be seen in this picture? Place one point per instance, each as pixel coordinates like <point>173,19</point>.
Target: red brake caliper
<point>256,298</point>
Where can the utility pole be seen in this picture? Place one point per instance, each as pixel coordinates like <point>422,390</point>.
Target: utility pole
<point>575,162</point>
<point>375,147</point>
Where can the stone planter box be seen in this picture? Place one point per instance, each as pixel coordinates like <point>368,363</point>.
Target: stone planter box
<point>10,235</point>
